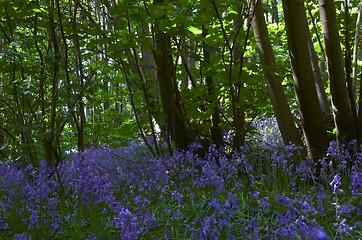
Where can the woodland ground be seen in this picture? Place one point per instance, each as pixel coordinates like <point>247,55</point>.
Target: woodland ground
<point>265,192</point>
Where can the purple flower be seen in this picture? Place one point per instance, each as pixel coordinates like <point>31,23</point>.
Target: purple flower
<point>178,196</point>
<point>208,229</point>
<point>223,222</point>
<point>306,208</point>
<point>92,237</point>
<point>336,182</point>
<point>22,236</point>
<point>319,235</point>
<point>177,215</point>
<point>168,234</point>
<point>33,220</point>
<point>356,182</point>
<point>127,225</point>
<point>343,227</point>
<point>264,204</point>
<point>215,203</point>
<point>347,208</point>
<point>84,223</point>
<point>321,209</point>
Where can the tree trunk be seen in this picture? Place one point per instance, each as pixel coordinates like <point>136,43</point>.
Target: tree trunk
<point>50,141</point>
<point>348,65</point>
<point>277,97</point>
<point>321,93</point>
<point>304,86</point>
<point>150,76</point>
<point>80,77</point>
<point>343,119</point>
<point>237,106</point>
<point>175,119</point>
<point>354,80</point>
<point>275,16</point>
<point>355,52</point>
<point>190,63</point>
<point>215,118</point>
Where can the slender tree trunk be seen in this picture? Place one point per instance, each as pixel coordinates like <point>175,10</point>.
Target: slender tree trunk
<point>304,85</point>
<point>237,63</point>
<point>50,141</point>
<point>345,126</point>
<point>175,119</point>
<point>354,78</point>
<point>275,16</point>
<point>106,103</point>
<point>215,118</point>
<point>321,93</point>
<point>190,63</point>
<point>355,52</point>
<point>80,76</point>
<point>277,97</point>
<point>150,76</point>
<point>348,65</point>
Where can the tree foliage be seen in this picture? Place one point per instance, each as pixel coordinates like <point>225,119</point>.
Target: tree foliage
<point>75,74</point>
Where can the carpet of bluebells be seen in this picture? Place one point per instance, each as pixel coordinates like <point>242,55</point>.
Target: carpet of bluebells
<point>267,191</point>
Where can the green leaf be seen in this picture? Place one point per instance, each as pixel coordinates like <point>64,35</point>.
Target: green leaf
<point>231,14</point>
<point>194,30</point>
<point>3,146</point>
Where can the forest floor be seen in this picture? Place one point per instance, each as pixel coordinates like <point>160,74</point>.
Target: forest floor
<point>264,192</point>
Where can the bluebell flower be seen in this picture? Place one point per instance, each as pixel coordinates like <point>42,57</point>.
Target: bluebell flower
<point>336,182</point>
<point>22,236</point>
<point>319,234</point>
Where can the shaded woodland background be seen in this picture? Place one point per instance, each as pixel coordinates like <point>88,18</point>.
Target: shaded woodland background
<point>74,74</point>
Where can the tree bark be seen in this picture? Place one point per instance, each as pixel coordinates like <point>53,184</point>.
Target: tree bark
<point>348,65</point>
<point>175,119</point>
<point>276,93</point>
<point>321,93</point>
<point>150,76</point>
<point>275,14</point>
<point>304,86</point>
<point>80,77</point>
<point>215,117</point>
<point>355,52</point>
<point>50,141</point>
<point>236,62</point>
<point>354,76</point>
<point>345,128</point>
